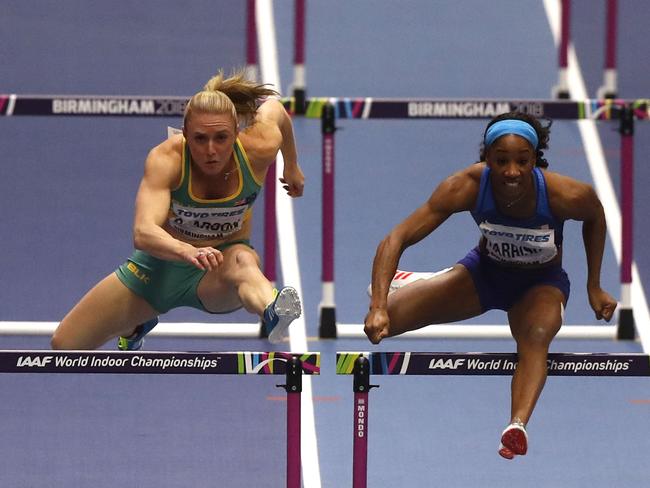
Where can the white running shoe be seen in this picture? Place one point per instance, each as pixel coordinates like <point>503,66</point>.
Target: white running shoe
<point>279,314</point>
<point>403,278</point>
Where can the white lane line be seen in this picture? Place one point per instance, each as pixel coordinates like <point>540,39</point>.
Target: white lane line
<point>270,73</point>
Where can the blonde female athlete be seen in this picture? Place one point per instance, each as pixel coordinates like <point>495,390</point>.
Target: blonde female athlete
<point>192,223</point>
<point>520,208</point>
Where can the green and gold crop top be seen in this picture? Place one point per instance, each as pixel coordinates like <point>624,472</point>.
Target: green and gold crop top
<point>200,219</point>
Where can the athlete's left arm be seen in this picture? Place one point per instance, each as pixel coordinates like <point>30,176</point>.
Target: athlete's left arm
<point>572,199</point>
<point>273,114</point>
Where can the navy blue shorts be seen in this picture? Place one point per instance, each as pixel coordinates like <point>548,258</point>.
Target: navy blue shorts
<point>500,287</point>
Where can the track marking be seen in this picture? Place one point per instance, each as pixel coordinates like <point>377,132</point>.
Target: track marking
<point>270,73</point>
<point>600,174</point>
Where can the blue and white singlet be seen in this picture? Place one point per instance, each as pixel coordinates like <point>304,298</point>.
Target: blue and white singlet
<point>512,241</point>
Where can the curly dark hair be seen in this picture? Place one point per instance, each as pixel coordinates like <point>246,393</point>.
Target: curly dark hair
<point>542,126</point>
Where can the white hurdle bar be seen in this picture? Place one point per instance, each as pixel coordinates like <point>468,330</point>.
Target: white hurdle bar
<point>177,329</point>
<point>447,331</point>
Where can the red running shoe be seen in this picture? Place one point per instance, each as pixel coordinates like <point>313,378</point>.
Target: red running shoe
<point>403,278</point>
<point>514,441</point>
<point>505,452</point>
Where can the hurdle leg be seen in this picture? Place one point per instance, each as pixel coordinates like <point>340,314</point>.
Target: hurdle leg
<point>561,90</point>
<point>270,233</point>
<point>293,387</point>
<point>299,82</point>
<point>327,322</point>
<point>626,328</point>
<point>251,42</point>
<point>609,87</point>
<point>360,429</point>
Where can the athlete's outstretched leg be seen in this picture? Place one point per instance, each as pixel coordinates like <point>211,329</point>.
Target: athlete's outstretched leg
<point>447,297</point>
<point>108,310</point>
<point>534,322</point>
<point>240,282</point>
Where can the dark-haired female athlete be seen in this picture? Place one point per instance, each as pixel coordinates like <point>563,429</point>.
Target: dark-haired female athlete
<point>519,207</point>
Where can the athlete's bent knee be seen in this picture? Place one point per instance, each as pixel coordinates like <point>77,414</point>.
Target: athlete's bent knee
<point>245,258</point>
<point>539,336</point>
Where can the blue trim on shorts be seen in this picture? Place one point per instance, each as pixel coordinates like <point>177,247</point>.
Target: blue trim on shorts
<point>500,287</point>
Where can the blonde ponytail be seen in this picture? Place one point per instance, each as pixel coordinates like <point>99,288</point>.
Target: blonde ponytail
<point>235,95</point>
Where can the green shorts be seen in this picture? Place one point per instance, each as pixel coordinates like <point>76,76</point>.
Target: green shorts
<point>165,284</point>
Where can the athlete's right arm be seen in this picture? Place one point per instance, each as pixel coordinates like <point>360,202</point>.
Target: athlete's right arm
<point>455,194</point>
<point>161,173</point>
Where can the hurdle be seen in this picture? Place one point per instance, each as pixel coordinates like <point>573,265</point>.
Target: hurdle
<point>364,364</point>
<point>291,365</point>
<point>625,112</point>
<point>609,88</point>
<point>299,83</point>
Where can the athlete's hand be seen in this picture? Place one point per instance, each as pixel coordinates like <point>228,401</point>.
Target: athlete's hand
<point>204,258</point>
<point>376,325</point>
<point>602,303</point>
<point>293,180</point>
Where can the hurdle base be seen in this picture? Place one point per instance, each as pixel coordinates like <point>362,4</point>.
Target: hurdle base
<point>300,101</point>
<point>607,91</point>
<point>327,323</point>
<point>263,334</point>
<point>560,92</point>
<point>626,329</point>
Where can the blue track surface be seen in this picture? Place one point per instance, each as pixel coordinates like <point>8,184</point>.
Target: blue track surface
<point>68,187</point>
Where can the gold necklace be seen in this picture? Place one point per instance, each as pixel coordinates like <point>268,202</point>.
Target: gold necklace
<point>516,200</point>
<point>226,174</point>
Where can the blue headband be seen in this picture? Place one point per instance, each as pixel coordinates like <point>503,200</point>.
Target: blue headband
<point>511,126</point>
